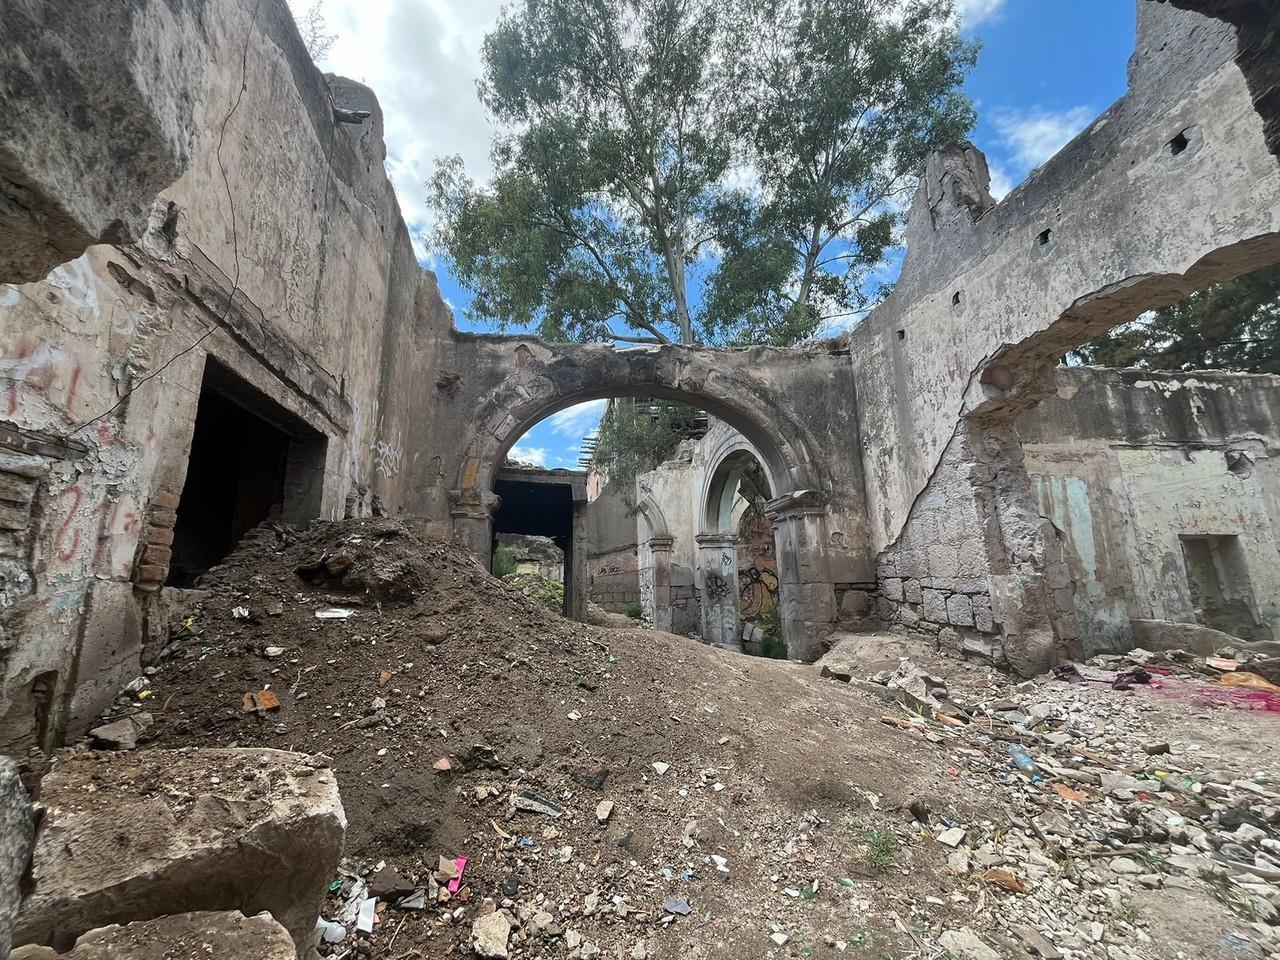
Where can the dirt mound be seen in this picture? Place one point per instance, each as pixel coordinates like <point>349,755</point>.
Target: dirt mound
<point>621,793</point>
<point>454,708</point>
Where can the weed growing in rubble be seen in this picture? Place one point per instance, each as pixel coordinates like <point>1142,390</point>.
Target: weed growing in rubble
<point>881,846</point>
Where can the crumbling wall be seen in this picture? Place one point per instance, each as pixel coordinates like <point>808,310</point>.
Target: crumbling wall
<point>613,565</point>
<point>1156,199</point>
<point>275,248</point>
<point>1135,468</point>
<point>97,121</point>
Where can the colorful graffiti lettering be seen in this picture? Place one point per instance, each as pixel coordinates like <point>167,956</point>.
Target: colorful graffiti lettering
<point>757,591</point>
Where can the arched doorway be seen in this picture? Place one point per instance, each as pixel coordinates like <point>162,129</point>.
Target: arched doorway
<point>738,570</point>
<point>735,387</point>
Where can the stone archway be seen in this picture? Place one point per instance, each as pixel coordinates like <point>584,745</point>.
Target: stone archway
<point>717,566</point>
<point>520,381</point>
<point>806,593</point>
<point>540,379</point>
<point>654,562</point>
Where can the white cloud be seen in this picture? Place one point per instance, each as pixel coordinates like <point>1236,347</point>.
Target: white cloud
<point>535,455</point>
<point>1001,182</point>
<point>578,420</point>
<point>974,12</point>
<point>1034,135</point>
<point>422,59</point>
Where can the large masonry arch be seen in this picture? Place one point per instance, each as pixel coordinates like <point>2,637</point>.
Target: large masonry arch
<point>519,381</point>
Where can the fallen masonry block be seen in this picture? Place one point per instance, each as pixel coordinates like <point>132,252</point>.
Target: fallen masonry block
<point>211,934</point>
<point>138,835</point>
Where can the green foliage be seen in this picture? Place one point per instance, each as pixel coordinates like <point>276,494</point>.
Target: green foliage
<point>1231,326</point>
<point>881,847</point>
<point>624,125</point>
<point>635,437</point>
<point>548,592</point>
<point>772,646</point>
<point>504,562</point>
<point>633,610</point>
<point>834,104</point>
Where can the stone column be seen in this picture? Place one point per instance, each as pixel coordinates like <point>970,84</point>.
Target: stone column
<point>575,565</point>
<point>807,597</point>
<point>718,583</point>
<point>473,528</point>
<point>659,574</point>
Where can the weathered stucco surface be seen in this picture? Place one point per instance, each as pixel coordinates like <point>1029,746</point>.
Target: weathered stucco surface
<point>1130,463</point>
<point>326,284</point>
<point>991,296</point>
<point>251,237</point>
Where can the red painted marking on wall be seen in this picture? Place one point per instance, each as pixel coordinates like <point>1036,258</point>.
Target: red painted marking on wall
<point>71,388</point>
<point>66,553</point>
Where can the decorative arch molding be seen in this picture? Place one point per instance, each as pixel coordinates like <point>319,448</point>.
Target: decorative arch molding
<point>545,378</point>
<point>654,518</point>
<point>726,464</point>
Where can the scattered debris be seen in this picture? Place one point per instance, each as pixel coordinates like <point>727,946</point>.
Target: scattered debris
<point>334,613</point>
<point>261,701</point>
<point>489,934</point>
<point>121,734</point>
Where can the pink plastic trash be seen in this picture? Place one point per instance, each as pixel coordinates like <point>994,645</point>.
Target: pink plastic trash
<point>456,882</point>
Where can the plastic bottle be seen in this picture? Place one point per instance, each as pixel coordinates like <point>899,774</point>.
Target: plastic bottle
<point>1022,760</point>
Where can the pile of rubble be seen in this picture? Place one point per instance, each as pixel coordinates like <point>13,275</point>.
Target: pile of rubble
<point>520,786</point>
<point>1107,817</point>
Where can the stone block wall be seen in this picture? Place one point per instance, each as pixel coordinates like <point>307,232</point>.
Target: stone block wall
<point>613,580</point>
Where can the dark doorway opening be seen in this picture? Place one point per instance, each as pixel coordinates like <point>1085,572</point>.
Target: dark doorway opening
<point>544,503</point>
<point>251,460</point>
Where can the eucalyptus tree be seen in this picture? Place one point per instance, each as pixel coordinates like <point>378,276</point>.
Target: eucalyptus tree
<point>836,104</point>
<point>723,170</point>
<point>611,154</point>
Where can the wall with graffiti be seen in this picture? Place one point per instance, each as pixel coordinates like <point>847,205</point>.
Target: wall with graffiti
<point>757,567</point>
<point>285,262</point>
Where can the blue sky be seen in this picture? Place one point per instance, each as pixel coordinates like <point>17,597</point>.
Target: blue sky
<point>1047,68</point>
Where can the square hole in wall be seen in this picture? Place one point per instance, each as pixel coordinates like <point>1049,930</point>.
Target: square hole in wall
<point>251,460</point>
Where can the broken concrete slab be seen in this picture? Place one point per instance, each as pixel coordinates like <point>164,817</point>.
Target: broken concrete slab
<point>213,934</point>
<point>967,945</point>
<point>121,734</point>
<point>1168,635</point>
<point>489,935</point>
<point>865,654</point>
<point>133,836</point>
<point>17,831</point>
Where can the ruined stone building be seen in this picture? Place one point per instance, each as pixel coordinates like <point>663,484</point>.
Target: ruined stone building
<point>212,316</point>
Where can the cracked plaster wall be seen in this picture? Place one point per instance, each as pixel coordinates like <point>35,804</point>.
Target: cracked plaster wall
<point>992,295</point>
<point>1126,462</point>
<point>332,320</point>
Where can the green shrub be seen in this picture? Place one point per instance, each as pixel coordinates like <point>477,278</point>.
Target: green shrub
<point>633,610</point>
<point>548,592</point>
<point>881,846</point>
<point>772,646</point>
<point>504,562</point>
